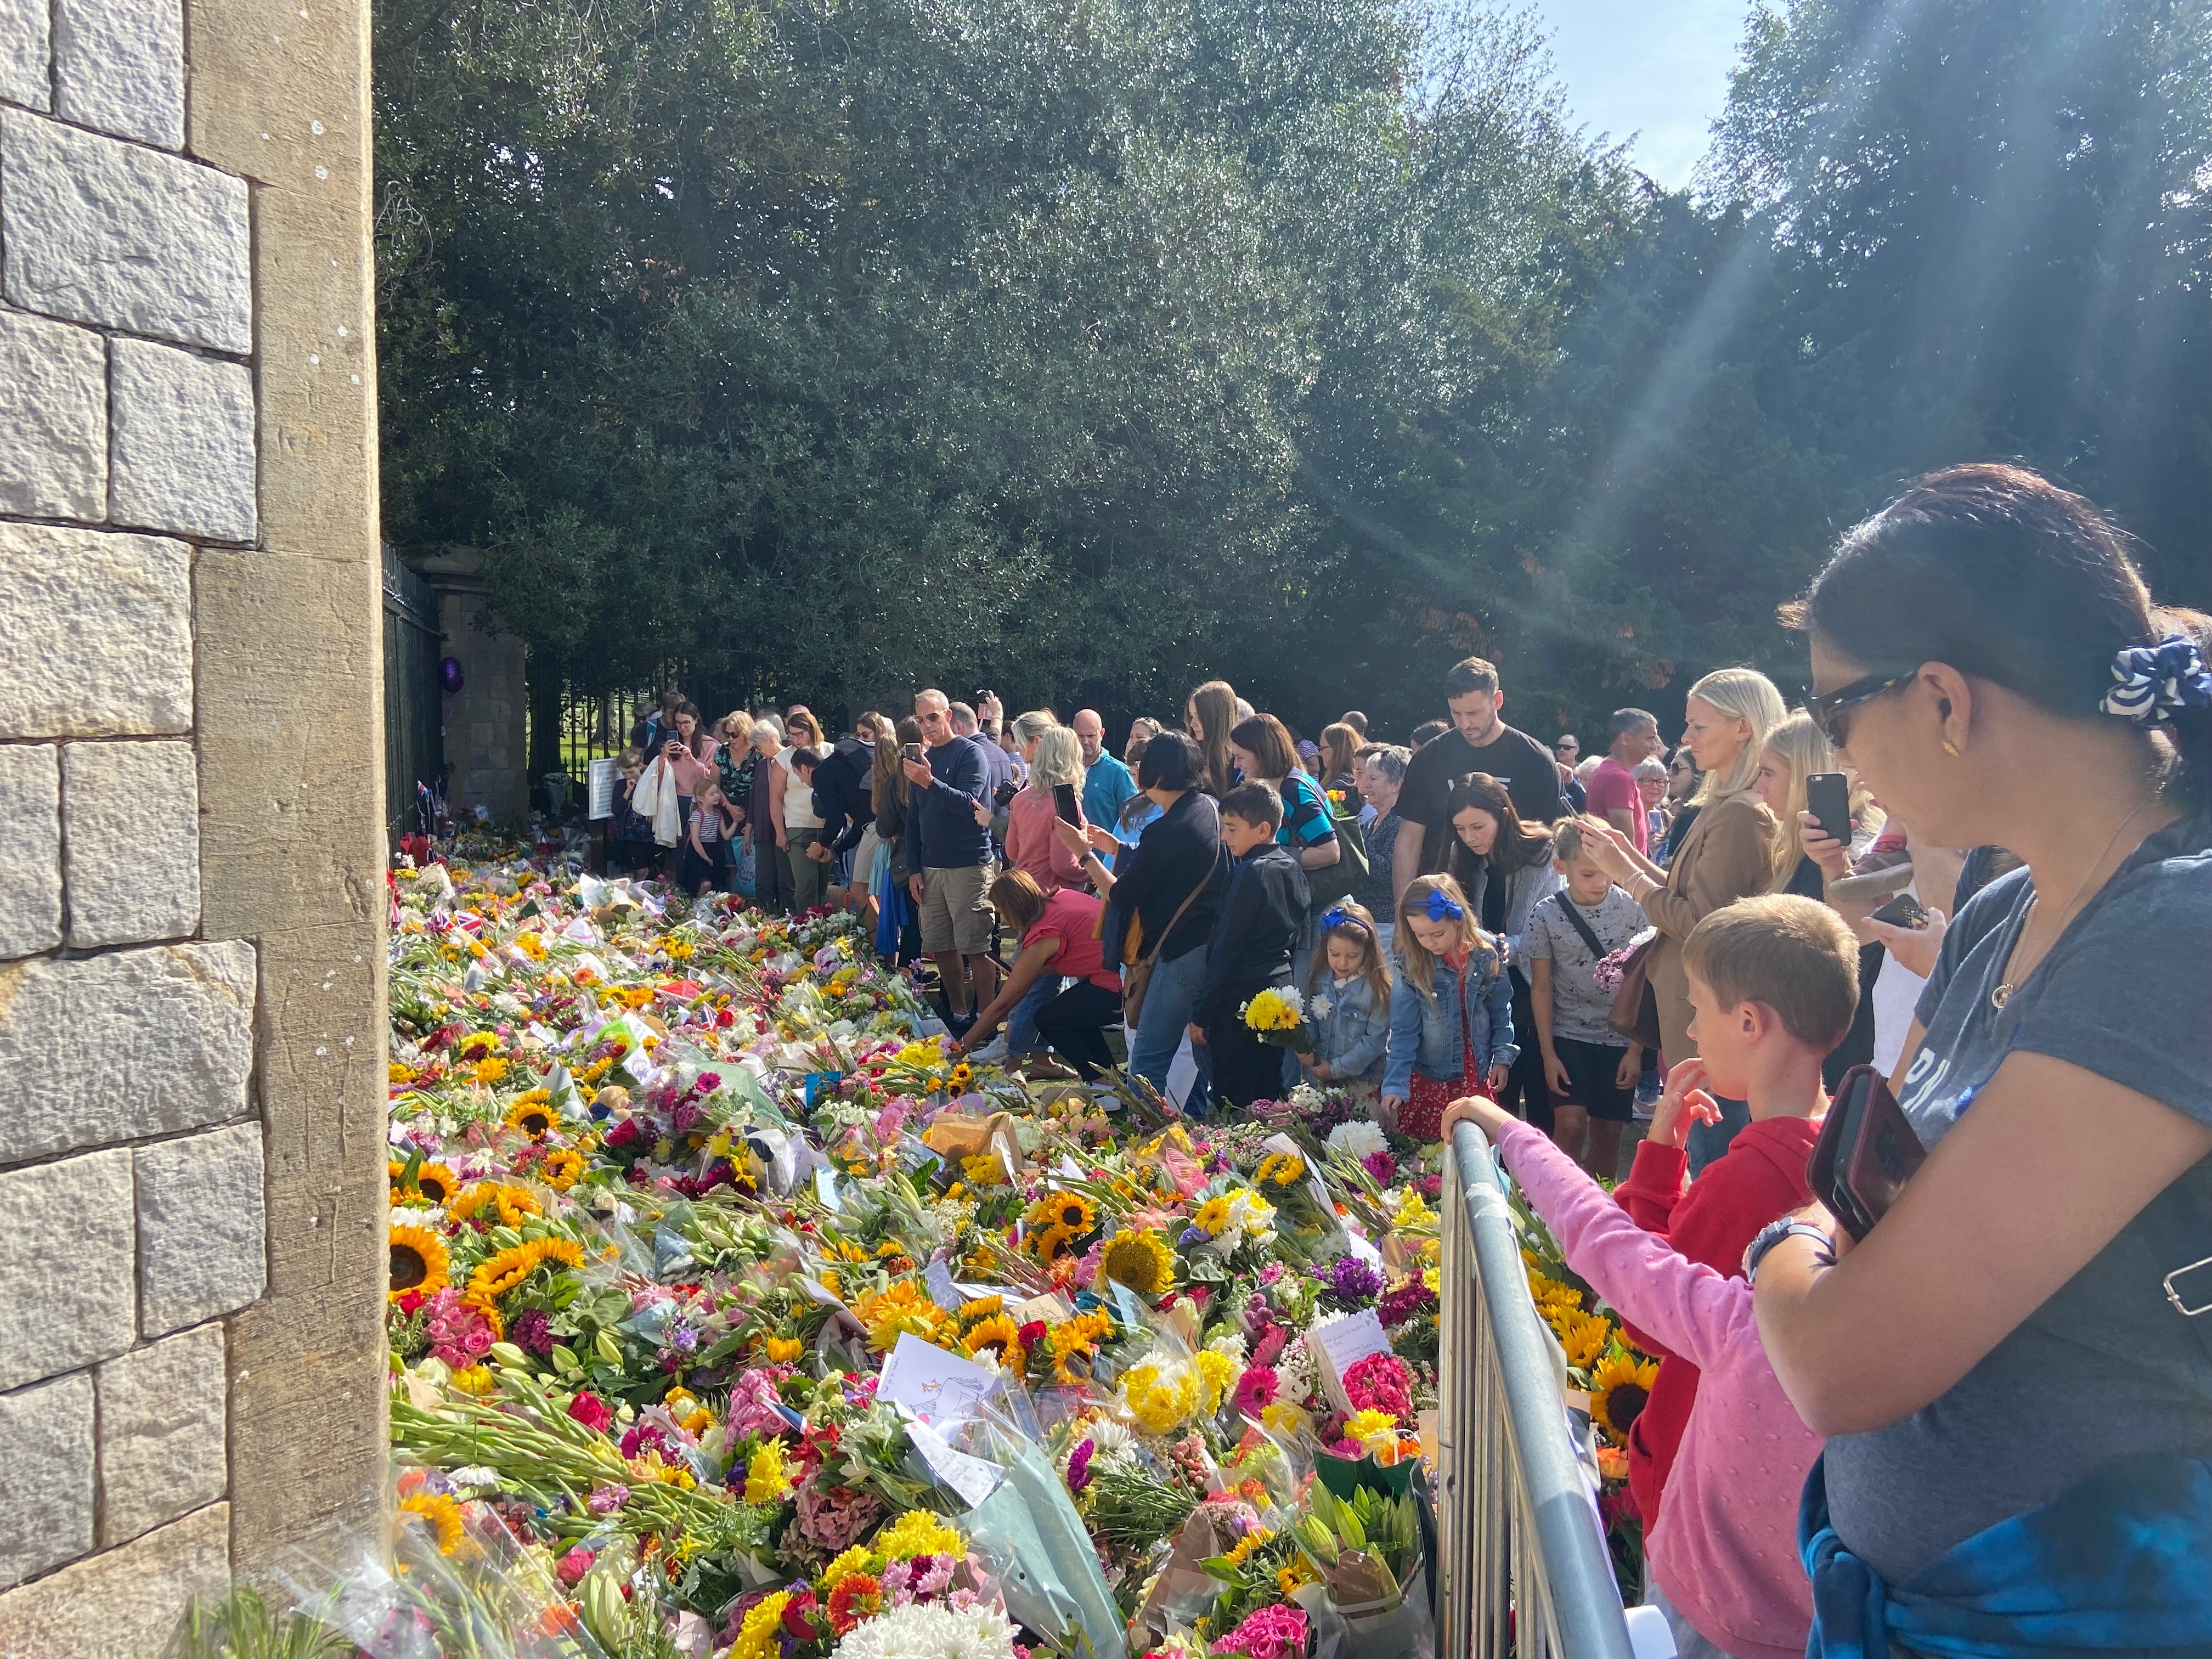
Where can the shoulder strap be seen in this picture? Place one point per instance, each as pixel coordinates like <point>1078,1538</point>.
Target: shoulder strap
<point>2178,1229</point>
<point>1581,925</point>
<point>1160,943</point>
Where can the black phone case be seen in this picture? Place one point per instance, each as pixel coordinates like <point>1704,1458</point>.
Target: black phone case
<point>1828,797</point>
<point>1867,1151</point>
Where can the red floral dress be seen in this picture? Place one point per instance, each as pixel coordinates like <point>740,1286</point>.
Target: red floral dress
<point>1422,1116</point>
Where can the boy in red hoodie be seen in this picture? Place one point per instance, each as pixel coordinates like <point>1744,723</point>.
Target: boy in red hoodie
<point>1773,985</point>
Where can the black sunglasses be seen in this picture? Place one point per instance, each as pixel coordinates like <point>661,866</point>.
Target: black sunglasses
<point>1828,710</point>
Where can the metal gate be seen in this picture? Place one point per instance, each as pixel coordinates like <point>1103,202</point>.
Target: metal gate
<point>414,701</point>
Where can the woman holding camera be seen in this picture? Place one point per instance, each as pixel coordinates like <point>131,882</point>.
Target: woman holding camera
<point>2014,1366</point>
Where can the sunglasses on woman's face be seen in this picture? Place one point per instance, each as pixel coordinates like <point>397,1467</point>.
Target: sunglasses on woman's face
<point>1828,709</point>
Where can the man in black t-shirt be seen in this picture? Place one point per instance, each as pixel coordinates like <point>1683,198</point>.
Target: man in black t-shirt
<point>1478,742</point>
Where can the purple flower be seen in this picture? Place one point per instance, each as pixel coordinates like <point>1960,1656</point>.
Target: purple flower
<point>1079,1466</point>
<point>533,1332</point>
<point>1380,1164</point>
<point>605,1500</point>
<point>1350,1280</point>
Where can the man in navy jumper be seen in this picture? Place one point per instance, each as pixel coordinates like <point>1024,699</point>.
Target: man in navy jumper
<point>948,850</point>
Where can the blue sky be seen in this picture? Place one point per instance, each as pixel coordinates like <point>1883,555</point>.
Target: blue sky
<point>1654,67</point>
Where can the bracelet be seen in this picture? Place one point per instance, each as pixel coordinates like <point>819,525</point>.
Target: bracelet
<point>1772,1234</point>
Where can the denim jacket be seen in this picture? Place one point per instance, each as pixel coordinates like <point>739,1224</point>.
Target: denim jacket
<point>1351,1037</point>
<point>1426,1032</point>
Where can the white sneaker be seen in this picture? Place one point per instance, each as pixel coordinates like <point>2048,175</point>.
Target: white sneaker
<point>992,1053</point>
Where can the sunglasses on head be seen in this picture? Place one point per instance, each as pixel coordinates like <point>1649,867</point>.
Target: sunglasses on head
<point>1828,710</point>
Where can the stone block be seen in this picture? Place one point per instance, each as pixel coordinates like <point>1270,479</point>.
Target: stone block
<point>162,1410</point>
<point>103,232</point>
<point>30,850</point>
<point>119,66</point>
<point>123,1047</point>
<point>66,1277</point>
<point>53,418</point>
<point>184,443</point>
<point>24,30</point>
<point>203,1240</point>
<point>45,1446</point>
<point>125,1601</point>
<point>132,811</point>
<point>95,634</point>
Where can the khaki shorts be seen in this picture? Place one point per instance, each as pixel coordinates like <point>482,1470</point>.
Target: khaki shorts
<point>955,915</point>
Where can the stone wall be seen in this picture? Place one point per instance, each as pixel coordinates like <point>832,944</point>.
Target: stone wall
<point>190,826</point>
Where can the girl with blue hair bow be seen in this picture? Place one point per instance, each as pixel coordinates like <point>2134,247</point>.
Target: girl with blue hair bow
<point>1451,1010</point>
<point>2014,1366</point>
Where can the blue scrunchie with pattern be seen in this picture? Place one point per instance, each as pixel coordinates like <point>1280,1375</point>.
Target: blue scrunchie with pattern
<point>2151,682</point>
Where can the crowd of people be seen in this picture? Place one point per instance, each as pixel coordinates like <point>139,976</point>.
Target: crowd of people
<point>1997,1404</point>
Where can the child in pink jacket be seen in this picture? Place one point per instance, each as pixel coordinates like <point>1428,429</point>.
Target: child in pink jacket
<point>1723,1550</point>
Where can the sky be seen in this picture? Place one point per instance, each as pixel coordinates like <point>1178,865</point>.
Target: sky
<point>1657,69</point>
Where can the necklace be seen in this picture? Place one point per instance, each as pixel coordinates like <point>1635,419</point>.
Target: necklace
<point>2002,994</point>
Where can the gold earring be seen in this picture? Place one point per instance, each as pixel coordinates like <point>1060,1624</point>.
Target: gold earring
<point>1950,750</point>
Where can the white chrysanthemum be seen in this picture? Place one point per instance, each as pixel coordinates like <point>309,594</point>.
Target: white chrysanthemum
<point>1357,1138</point>
<point>931,1631</point>
<point>1108,1438</point>
<point>1319,1007</point>
<point>1230,1343</point>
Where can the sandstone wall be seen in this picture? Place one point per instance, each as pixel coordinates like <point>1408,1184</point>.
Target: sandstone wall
<point>191,818</point>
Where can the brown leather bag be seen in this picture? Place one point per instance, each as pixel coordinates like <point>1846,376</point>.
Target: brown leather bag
<point>1635,1012</point>
<point>1136,975</point>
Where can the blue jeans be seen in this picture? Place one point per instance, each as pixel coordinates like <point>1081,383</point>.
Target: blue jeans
<point>1171,998</point>
<point>1022,1036</point>
<point>1707,1141</point>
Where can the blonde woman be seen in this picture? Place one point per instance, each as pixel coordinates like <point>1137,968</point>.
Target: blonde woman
<point>1728,854</point>
<point>1794,752</point>
<point>1054,756</point>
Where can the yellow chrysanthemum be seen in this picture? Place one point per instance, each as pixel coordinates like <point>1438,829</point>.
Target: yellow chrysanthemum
<point>399,1075</point>
<point>1212,1216</point>
<point>1285,1419</point>
<point>903,1306</point>
<point>1219,1372</point>
<point>1584,1336</point>
<point>1371,1428</point>
<point>855,1559</point>
<point>1142,1260</point>
<point>766,1478</point>
<point>562,1169</point>
<point>489,1071</point>
<point>475,1380</point>
<point>420,1261</point>
<point>918,1532</point>
<point>984,1170</point>
<point>760,1636</point>
<point>440,1514</point>
<point>1620,1386</point>
<point>782,1349</point>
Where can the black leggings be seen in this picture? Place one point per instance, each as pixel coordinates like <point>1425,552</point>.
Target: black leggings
<point>1075,1022</point>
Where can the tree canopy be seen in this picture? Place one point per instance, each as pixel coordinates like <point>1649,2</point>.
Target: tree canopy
<point>1089,348</point>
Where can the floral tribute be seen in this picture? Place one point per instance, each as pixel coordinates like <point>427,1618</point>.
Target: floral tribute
<point>684,1200</point>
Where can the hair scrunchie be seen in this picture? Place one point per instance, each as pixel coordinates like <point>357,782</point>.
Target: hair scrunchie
<point>2150,682</point>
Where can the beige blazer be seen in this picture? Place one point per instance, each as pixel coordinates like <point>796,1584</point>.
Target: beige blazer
<point>1729,854</point>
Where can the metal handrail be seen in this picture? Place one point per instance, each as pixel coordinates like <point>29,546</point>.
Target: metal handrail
<point>1525,1568</point>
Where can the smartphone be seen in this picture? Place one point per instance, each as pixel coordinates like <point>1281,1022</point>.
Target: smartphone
<point>910,751</point>
<point>1866,1152</point>
<point>1828,797</point>
<point>1902,911</point>
<point>1063,803</point>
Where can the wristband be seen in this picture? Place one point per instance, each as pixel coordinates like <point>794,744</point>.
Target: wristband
<point>1771,1235</point>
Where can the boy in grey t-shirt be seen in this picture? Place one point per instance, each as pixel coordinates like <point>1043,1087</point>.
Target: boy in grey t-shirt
<point>1590,1067</point>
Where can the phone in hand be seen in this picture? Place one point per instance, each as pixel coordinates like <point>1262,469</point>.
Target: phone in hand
<point>1866,1152</point>
<point>1902,911</point>
<point>1063,803</point>
<point>910,751</point>
<point>1828,797</point>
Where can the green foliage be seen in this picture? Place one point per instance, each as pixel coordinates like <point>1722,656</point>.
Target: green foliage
<point>1089,348</point>
<point>242,1626</point>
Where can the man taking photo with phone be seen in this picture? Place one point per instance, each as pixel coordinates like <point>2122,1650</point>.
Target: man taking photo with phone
<point>950,856</point>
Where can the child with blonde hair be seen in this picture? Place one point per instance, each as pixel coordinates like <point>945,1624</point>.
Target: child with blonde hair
<point>1349,988</point>
<point>1451,1011</point>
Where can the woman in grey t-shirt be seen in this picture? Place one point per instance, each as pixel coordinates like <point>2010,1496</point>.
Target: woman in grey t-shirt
<point>2020,1422</point>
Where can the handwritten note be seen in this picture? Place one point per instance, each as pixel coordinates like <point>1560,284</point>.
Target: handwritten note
<point>972,1478</point>
<point>1338,1346</point>
<point>935,1386</point>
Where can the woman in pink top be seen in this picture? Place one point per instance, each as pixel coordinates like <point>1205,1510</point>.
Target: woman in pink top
<point>1723,1550</point>
<point>1031,846</point>
<point>690,754</point>
<point>1059,932</point>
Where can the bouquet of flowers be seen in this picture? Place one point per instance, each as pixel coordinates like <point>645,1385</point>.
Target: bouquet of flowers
<point>1279,1018</point>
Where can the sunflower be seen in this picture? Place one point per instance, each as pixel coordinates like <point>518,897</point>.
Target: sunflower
<point>1074,1212</point>
<point>419,1261</point>
<point>532,1113</point>
<point>510,1204</point>
<point>963,1075</point>
<point>998,1333</point>
<point>500,1273</point>
<point>981,1307</point>
<point>1143,1262</point>
<point>436,1182</point>
<point>1282,1169</point>
<point>1620,1388</point>
<point>899,1308</point>
<point>562,1169</point>
<point>441,1514</point>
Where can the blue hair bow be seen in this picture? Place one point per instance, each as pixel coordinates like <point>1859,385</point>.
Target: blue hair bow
<point>2150,682</point>
<point>1339,917</point>
<point>1443,907</point>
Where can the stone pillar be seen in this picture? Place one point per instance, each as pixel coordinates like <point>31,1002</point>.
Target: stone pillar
<point>192,1179</point>
<point>486,764</point>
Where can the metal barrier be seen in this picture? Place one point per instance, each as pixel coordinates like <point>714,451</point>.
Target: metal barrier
<point>1524,1567</point>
